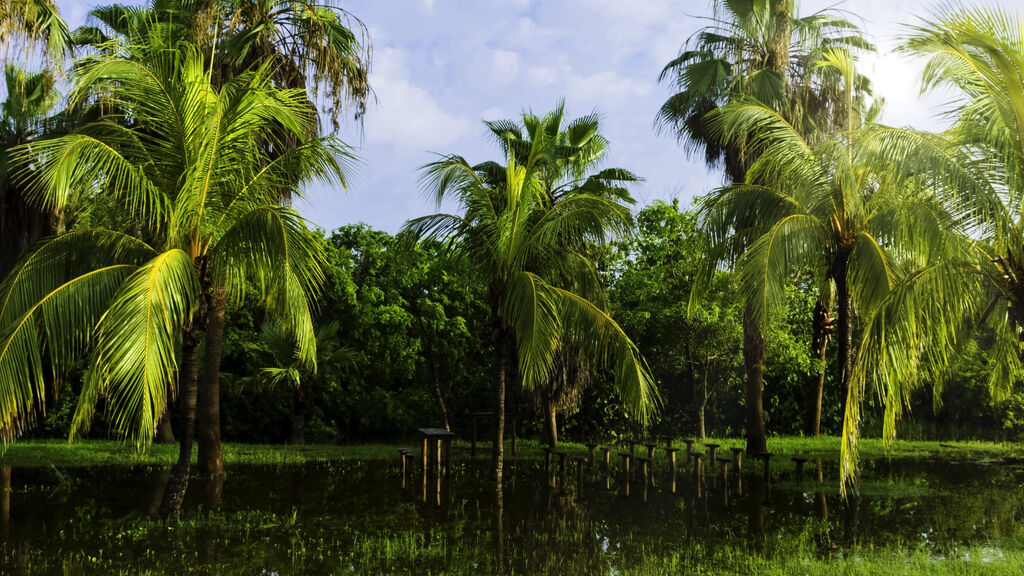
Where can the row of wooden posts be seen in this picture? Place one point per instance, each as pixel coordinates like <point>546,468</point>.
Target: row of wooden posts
<point>436,452</point>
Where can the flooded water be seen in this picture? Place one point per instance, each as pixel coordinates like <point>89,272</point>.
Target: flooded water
<point>366,518</point>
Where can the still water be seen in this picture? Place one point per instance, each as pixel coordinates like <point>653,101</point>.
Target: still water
<point>364,517</point>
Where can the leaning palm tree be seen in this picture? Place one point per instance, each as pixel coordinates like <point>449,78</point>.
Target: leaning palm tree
<point>829,208</point>
<point>759,49</point>
<point>542,287</point>
<point>977,55</point>
<point>179,154</point>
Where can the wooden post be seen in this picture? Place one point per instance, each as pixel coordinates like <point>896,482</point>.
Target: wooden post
<point>424,452</point>
<point>689,448</point>
<point>580,461</point>
<point>607,457</point>
<point>711,453</point>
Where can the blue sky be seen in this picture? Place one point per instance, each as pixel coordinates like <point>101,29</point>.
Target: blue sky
<point>442,66</point>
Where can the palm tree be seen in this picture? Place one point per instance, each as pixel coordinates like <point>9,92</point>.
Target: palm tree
<point>283,365</point>
<point>828,207</point>
<point>542,286</point>
<point>577,148</point>
<point>31,28</point>
<point>307,46</point>
<point>185,165</point>
<point>976,55</point>
<point>753,49</point>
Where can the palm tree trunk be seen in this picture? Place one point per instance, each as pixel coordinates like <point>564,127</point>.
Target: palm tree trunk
<point>211,460</point>
<point>550,422</point>
<point>188,377</point>
<point>753,360</point>
<point>298,416</point>
<point>845,335</point>
<point>819,344</point>
<point>502,354</point>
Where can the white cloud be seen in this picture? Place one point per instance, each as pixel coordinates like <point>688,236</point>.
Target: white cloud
<point>406,114</point>
<point>504,66</point>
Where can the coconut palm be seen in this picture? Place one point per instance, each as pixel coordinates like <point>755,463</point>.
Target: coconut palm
<point>31,28</point>
<point>758,49</point>
<point>185,165</point>
<point>826,206</point>
<point>308,46</point>
<point>977,56</point>
<point>542,286</point>
<point>576,150</point>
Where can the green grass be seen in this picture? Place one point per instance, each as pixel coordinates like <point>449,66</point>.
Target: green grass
<point>106,453</point>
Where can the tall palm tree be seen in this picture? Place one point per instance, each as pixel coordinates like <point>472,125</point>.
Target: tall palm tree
<point>185,165</point>
<point>542,286</point>
<point>758,49</point>
<point>576,150</point>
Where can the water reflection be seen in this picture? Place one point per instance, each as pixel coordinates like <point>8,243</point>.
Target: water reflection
<point>580,519</point>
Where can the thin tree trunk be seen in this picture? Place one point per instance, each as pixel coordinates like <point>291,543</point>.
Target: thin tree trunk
<point>502,350</point>
<point>753,360</point>
<point>432,367</point>
<point>700,420</point>
<point>845,335</point>
<point>211,460</point>
<point>819,344</point>
<point>188,377</point>
<point>164,430</point>
<point>298,416</point>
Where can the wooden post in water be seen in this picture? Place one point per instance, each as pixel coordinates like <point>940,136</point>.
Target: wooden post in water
<point>580,461</point>
<point>737,460</point>
<point>767,458</point>
<point>711,454</point>
<point>607,457</point>
<point>689,448</point>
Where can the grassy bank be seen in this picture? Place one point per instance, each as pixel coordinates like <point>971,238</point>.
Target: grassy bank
<point>105,453</point>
